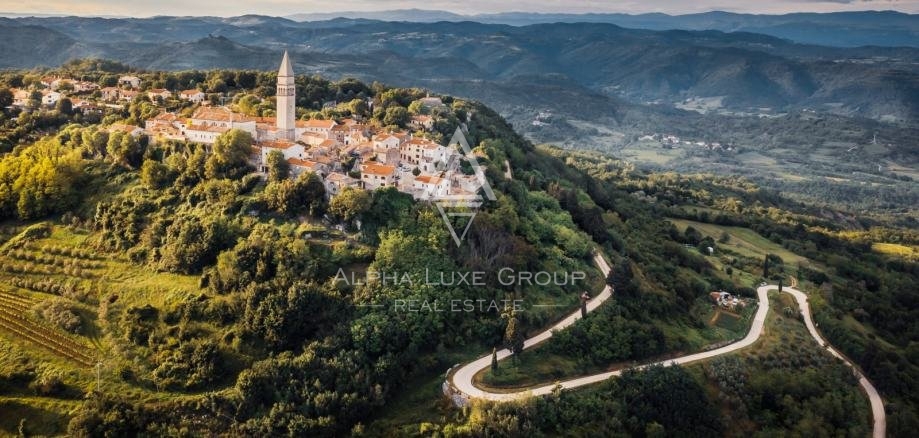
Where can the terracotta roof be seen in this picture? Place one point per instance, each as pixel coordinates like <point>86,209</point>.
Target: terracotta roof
<point>315,123</point>
<point>166,117</point>
<point>277,144</point>
<point>378,169</point>
<point>301,163</point>
<point>220,114</point>
<point>206,128</point>
<point>428,179</point>
<point>191,92</point>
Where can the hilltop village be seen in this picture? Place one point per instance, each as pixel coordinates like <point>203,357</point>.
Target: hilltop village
<point>345,153</point>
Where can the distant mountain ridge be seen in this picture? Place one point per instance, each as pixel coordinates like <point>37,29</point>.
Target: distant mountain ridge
<point>840,29</point>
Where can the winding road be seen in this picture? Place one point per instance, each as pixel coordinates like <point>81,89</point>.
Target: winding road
<point>459,383</point>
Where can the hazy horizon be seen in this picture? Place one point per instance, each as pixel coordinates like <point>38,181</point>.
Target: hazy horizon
<point>230,8</point>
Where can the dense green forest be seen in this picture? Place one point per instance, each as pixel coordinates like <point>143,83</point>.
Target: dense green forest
<point>210,296</point>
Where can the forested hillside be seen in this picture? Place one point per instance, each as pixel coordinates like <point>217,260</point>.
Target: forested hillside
<point>167,289</point>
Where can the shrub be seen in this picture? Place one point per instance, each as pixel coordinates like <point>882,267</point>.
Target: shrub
<point>48,385</point>
<point>60,313</point>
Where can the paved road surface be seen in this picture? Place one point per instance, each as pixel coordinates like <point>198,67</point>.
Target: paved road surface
<point>461,380</point>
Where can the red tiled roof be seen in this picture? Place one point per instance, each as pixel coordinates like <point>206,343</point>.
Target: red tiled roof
<point>220,114</point>
<point>314,123</point>
<point>301,163</point>
<point>206,128</point>
<point>378,169</point>
<point>428,179</point>
<point>277,144</point>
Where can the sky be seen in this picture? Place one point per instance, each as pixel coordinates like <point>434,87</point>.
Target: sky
<point>226,8</point>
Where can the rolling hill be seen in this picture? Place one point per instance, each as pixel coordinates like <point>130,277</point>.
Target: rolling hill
<point>746,72</point>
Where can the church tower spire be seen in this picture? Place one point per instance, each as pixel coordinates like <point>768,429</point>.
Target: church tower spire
<point>286,98</point>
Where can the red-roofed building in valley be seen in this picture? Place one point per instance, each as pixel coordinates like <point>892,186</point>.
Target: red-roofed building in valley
<point>374,176</point>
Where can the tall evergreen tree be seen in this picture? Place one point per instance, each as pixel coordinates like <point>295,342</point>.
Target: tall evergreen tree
<point>622,278</point>
<point>513,336</point>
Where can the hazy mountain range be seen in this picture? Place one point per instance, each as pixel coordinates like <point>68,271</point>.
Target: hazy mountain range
<point>845,29</point>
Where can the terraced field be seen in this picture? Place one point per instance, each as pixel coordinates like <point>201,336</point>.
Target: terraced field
<point>34,272</point>
<point>13,319</point>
